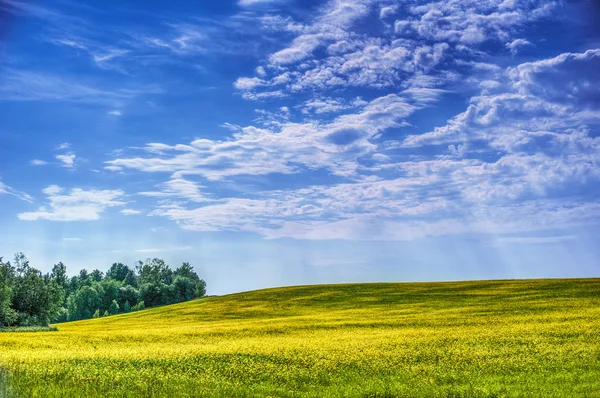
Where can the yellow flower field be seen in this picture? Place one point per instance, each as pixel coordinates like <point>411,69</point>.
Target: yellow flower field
<point>534,338</point>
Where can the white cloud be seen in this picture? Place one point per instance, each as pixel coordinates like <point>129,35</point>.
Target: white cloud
<point>38,162</point>
<point>528,240</point>
<point>179,188</point>
<point>74,205</point>
<point>246,83</point>
<point>67,160</point>
<point>508,164</point>
<point>21,85</point>
<point>130,212</point>
<point>286,148</point>
<point>424,37</point>
<point>157,250</point>
<point>114,112</point>
<point>331,105</point>
<point>6,190</point>
<point>514,45</point>
<point>249,3</point>
<point>72,239</point>
<point>384,210</point>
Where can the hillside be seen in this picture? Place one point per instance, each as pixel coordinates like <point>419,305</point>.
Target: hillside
<point>461,339</point>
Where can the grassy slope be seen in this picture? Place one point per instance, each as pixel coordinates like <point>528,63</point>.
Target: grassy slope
<point>466,339</point>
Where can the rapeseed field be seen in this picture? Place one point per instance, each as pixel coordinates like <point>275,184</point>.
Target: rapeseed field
<point>530,338</point>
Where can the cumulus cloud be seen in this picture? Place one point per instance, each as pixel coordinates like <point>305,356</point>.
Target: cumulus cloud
<point>553,98</point>
<point>505,165</point>
<point>67,160</point>
<point>423,37</point>
<point>74,205</point>
<point>286,148</point>
<point>514,45</point>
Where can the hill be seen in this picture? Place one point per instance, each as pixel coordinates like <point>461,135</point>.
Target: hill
<point>528,338</point>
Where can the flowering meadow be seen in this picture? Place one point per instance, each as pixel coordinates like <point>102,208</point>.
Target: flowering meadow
<point>529,338</point>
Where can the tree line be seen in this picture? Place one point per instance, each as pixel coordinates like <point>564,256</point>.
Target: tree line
<point>30,298</point>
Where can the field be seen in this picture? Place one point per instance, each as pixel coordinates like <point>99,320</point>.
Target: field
<point>532,338</point>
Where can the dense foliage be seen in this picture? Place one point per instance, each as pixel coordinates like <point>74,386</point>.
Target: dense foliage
<point>30,298</point>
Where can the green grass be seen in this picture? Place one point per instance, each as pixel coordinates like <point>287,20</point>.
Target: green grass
<point>22,329</point>
<point>531,338</point>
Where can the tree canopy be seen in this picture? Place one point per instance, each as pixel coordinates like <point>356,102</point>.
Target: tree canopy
<point>28,297</point>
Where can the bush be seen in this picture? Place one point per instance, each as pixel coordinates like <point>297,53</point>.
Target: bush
<point>138,306</point>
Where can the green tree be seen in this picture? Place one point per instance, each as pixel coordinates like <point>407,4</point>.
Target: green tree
<point>184,288</point>
<point>59,275</point>
<point>200,289</point>
<point>96,275</point>
<point>96,314</point>
<point>187,271</point>
<point>84,302</point>
<point>60,278</point>
<point>111,292</point>
<point>128,294</point>
<point>153,294</point>
<point>126,307</point>
<point>155,271</point>
<point>118,272</point>
<point>21,264</point>
<point>130,279</point>
<point>36,298</point>
<point>8,316</point>
<point>138,306</point>
<point>113,308</point>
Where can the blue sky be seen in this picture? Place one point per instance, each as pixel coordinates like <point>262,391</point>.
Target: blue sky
<point>280,142</point>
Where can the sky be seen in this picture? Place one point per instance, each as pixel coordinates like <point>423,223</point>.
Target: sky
<point>287,142</point>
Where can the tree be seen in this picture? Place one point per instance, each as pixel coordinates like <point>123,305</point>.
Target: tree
<point>85,300</point>
<point>28,297</point>
<point>59,275</point>
<point>21,264</point>
<point>187,271</point>
<point>128,294</point>
<point>130,279</point>
<point>96,275</point>
<point>113,308</point>
<point>8,316</point>
<point>200,290</point>
<point>118,272</point>
<point>155,271</point>
<point>111,292</point>
<point>184,289</point>
<point>83,275</point>
<point>36,298</point>
<point>152,293</point>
